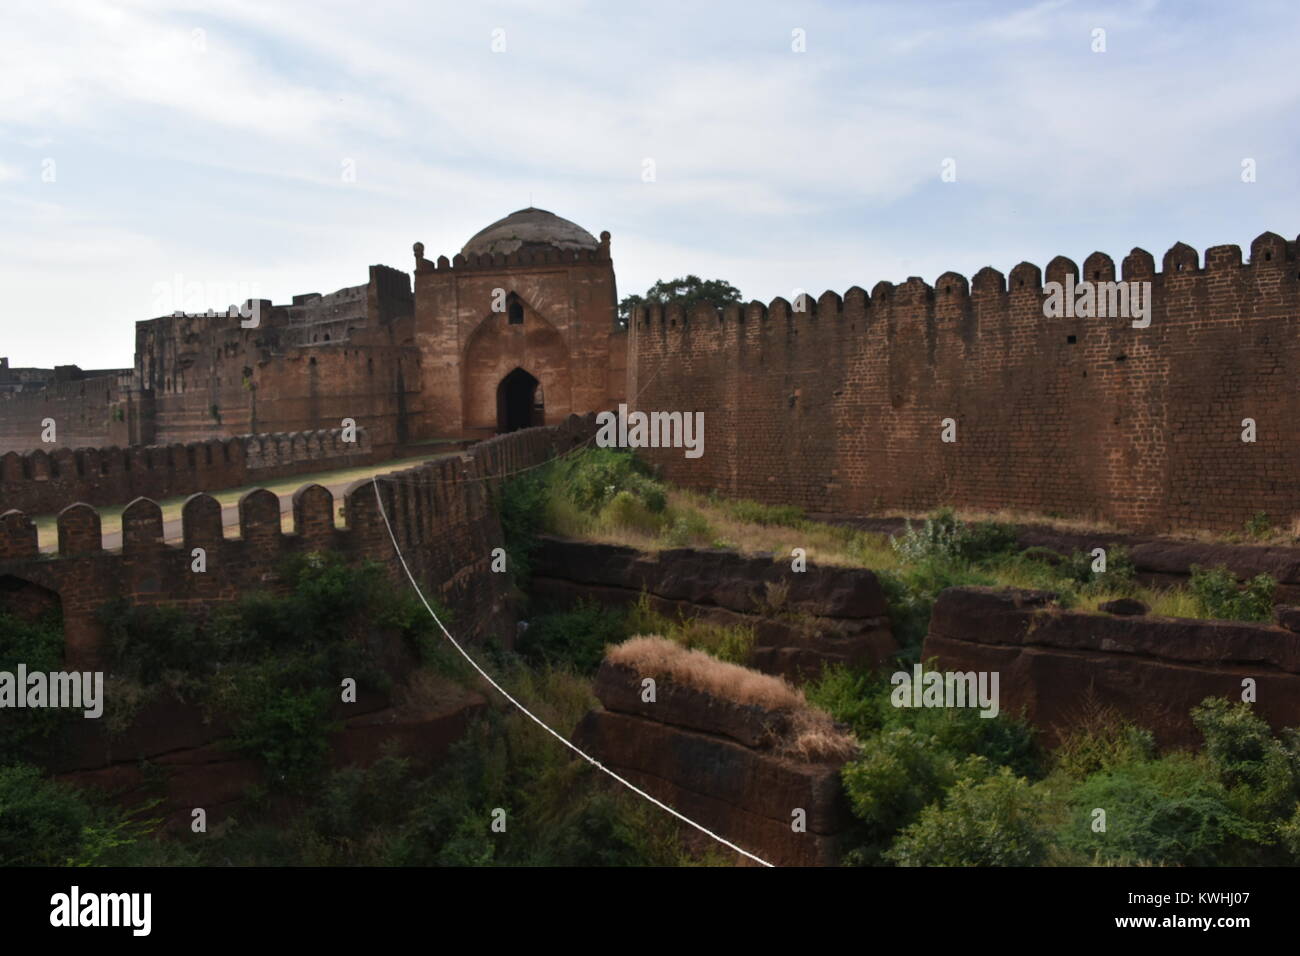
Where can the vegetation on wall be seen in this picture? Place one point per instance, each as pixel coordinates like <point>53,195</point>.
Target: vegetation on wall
<point>273,663</point>
<point>27,732</point>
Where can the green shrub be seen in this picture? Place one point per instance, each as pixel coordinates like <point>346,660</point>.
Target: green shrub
<point>1259,525</point>
<point>688,529</point>
<point>42,823</point>
<point>854,697</point>
<point>1220,597</point>
<point>1171,811</point>
<point>47,823</point>
<point>753,512</point>
<point>943,537</point>
<point>1004,740</point>
<point>1119,576</point>
<point>911,593</point>
<point>897,776</point>
<point>1261,771</point>
<point>576,637</point>
<point>593,476</point>
<point>287,732</point>
<point>626,510</point>
<point>986,819</point>
<point>29,731</point>
<point>1101,740</point>
<point>150,645</point>
<point>986,539</point>
<point>935,539</point>
<point>520,505</point>
<point>273,662</point>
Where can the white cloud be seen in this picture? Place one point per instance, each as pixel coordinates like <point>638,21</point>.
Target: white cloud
<point>774,169</point>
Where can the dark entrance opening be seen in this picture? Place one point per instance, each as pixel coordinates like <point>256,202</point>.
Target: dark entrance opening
<point>518,402</point>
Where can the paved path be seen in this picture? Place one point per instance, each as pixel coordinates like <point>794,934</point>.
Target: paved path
<point>172,531</point>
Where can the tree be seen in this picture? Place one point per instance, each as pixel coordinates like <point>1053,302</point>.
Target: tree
<point>685,292</point>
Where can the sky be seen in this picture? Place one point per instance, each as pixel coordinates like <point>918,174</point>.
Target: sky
<point>277,148</point>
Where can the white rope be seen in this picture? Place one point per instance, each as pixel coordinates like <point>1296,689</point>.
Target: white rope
<point>529,714</point>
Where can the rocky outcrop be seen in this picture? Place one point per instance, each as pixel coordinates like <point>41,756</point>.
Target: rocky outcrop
<point>725,764</point>
<point>801,620</point>
<point>1053,663</point>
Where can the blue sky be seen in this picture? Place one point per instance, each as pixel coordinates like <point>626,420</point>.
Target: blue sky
<point>209,141</point>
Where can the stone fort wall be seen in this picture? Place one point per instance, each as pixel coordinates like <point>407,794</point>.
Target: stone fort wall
<point>840,408</point>
<point>440,512</point>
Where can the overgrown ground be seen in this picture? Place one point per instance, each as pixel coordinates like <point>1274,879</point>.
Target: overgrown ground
<point>928,786</point>
<point>946,786</point>
<point>607,495</point>
<point>276,662</point>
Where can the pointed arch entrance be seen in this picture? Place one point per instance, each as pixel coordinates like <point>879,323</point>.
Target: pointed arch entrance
<point>520,403</point>
<point>515,374</point>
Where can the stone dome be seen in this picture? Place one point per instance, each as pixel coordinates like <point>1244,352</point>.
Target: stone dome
<point>528,230</point>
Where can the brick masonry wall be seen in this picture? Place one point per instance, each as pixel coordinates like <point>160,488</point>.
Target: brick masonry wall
<point>84,412</point>
<point>839,408</point>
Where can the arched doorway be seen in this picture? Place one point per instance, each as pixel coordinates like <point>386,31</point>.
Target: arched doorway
<point>519,402</point>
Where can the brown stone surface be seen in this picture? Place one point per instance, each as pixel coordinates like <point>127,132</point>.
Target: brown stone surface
<point>1287,616</point>
<point>1154,670</point>
<point>745,795</point>
<point>1124,607</point>
<point>830,615</point>
<point>619,689</point>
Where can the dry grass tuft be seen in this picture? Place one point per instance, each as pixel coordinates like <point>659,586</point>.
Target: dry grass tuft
<point>813,735</point>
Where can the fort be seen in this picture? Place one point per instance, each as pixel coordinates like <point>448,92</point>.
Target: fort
<point>517,329</point>
<point>838,407</point>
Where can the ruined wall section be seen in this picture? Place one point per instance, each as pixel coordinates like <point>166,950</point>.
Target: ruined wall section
<point>307,365</point>
<point>88,411</point>
<point>840,407</point>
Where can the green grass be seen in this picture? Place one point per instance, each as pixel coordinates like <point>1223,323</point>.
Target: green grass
<point>608,497</point>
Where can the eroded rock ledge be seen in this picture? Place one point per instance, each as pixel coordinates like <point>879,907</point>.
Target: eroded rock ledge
<point>741,764</point>
<point>825,614</point>
<point>1153,670</point>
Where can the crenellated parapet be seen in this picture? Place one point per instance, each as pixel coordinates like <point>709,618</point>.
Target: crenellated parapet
<point>1114,390</point>
<point>440,513</point>
<point>1268,260</point>
<point>40,482</point>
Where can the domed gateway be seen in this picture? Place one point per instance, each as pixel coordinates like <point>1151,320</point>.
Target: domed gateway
<point>530,230</point>
<point>524,339</point>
